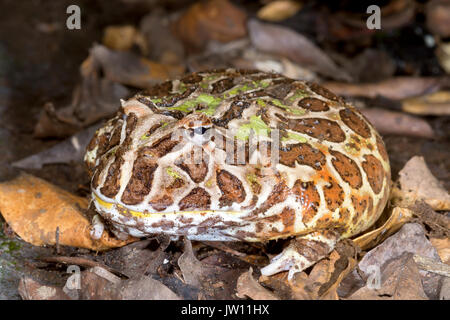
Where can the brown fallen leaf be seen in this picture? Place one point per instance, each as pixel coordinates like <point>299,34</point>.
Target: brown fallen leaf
<point>279,10</point>
<point>410,238</point>
<point>165,47</point>
<point>123,38</point>
<point>30,289</point>
<point>443,248</point>
<point>323,280</point>
<point>392,122</point>
<point>130,69</point>
<point>396,88</point>
<point>400,280</point>
<point>397,218</point>
<point>437,103</point>
<point>204,21</point>
<point>438,17</point>
<point>418,183</point>
<point>40,212</point>
<point>285,42</point>
<point>443,55</point>
<point>247,286</point>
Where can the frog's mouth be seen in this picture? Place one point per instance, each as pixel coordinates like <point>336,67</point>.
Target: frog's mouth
<point>108,206</point>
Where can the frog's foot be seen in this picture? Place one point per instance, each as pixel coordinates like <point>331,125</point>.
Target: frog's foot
<point>301,253</point>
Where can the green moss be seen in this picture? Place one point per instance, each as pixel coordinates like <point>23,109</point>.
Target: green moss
<point>10,246</point>
<point>256,124</point>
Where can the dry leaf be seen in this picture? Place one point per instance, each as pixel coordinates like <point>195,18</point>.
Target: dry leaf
<point>204,21</point>
<point>438,17</point>
<point>418,183</point>
<point>395,88</point>
<point>400,280</point>
<point>443,248</point>
<point>323,280</point>
<point>410,238</point>
<point>247,286</point>
<point>392,122</point>
<point>123,38</point>
<point>294,46</point>
<point>398,217</point>
<point>279,10</point>
<point>30,289</point>
<point>443,55</point>
<point>437,103</point>
<point>36,210</point>
<point>71,149</point>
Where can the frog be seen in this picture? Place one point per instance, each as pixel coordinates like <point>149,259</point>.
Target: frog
<point>240,155</point>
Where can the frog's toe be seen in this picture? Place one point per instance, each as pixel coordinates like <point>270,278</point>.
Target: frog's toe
<point>301,253</point>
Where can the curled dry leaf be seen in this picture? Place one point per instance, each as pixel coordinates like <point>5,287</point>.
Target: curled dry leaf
<point>398,217</point>
<point>418,183</point>
<point>396,88</point>
<point>40,213</point>
<point>392,122</point>
<point>123,38</point>
<point>204,21</point>
<point>247,286</point>
<point>279,10</point>
<point>294,46</point>
<point>130,69</point>
<point>400,280</point>
<point>438,17</point>
<point>410,238</point>
<point>71,149</point>
<point>437,103</point>
<point>323,280</point>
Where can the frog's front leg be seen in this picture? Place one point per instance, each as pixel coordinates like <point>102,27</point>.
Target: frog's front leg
<point>302,252</point>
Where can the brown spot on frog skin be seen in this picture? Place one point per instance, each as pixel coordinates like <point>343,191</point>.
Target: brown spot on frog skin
<point>322,129</point>
<point>375,172</point>
<point>381,148</point>
<point>309,198</point>
<point>234,112</point>
<point>198,199</point>
<point>302,153</point>
<point>141,180</point>
<point>355,122</point>
<point>324,92</point>
<point>279,194</point>
<point>197,169</point>
<point>333,193</point>
<point>161,147</point>
<point>347,169</point>
<point>161,203</point>
<point>222,85</point>
<point>313,104</point>
<point>231,187</point>
<point>360,206</point>
<point>192,78</point>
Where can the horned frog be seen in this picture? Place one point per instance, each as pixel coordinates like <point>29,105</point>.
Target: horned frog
<point>240,155</point>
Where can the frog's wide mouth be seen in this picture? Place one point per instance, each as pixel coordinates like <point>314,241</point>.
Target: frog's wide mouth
<point>108,206</point>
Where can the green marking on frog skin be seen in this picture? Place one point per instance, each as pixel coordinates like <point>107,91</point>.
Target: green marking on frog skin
<point>297,94</point>
<point>157,100</point>
<point>246,87</point>
<point>205,99</point>
<point>261,102</point>
<point>173,173</point>
<point>294,136</point>
<point>252,178</point>
<point>256,124</point>
<point>291,110</point>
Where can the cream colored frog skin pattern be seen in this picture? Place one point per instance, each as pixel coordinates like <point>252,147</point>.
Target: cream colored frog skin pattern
<point>332,180</point>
